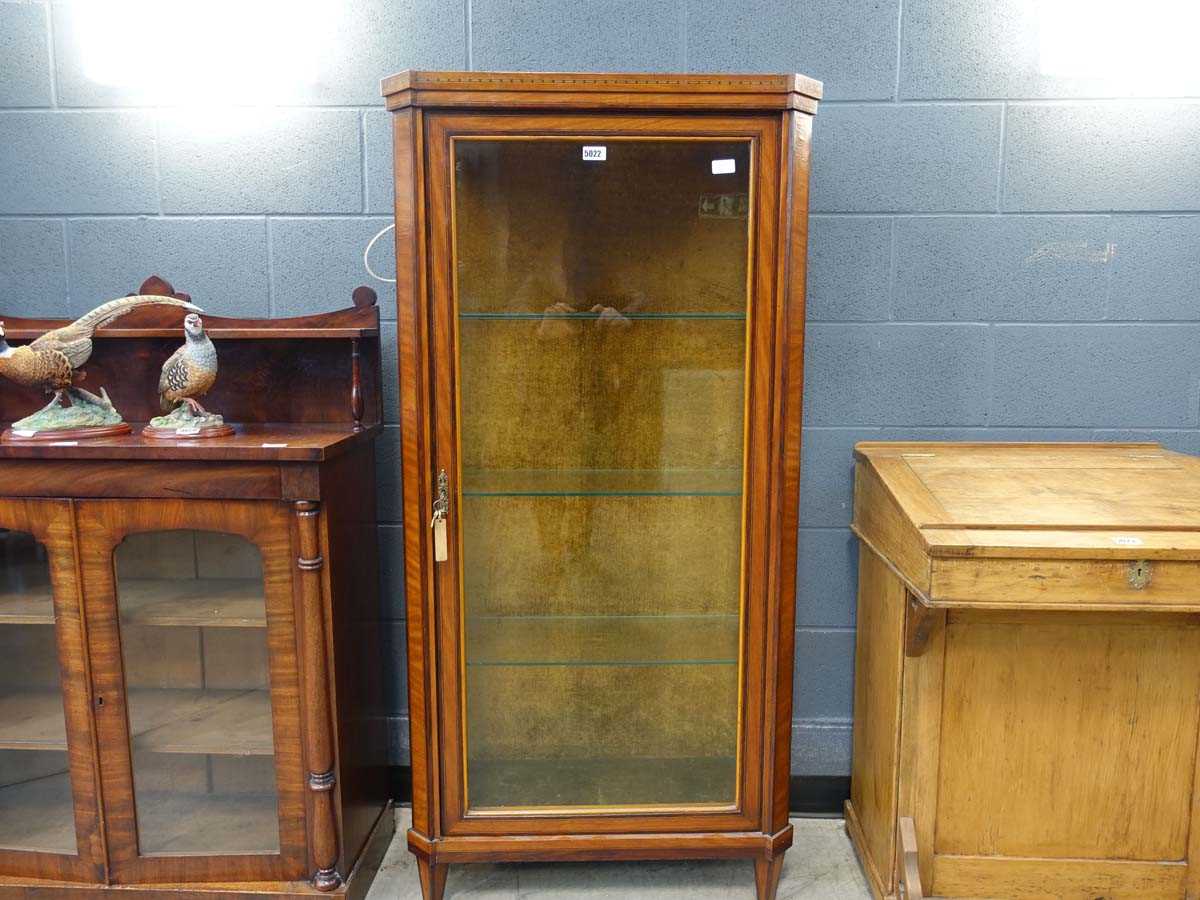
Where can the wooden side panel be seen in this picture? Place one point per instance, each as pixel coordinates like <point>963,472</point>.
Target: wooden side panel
<point>412,330</point>
<point>1069,739</point>
<point>1046,879</point>
<point>882,524</point>
<point>793,238</point>
<point>920,738</point>
<point>1078,584</point>
<point>879,662</point>
<point>352,566</point>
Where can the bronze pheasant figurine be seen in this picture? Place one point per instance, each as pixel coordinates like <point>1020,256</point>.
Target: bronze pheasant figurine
<point>51,361</point>
<point>190,371</point>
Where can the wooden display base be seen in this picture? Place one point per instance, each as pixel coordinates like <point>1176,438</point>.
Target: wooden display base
<point>69,434</point>
<point>355,886</point>
<point>172,434</point>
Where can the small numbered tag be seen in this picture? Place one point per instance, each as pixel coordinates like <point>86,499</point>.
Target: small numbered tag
<point>1127,541</point>
<point>187,430</point>
<point>595,154</point>
<point>440,552</point>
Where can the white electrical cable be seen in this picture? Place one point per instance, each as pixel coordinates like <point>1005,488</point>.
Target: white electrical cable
<point>367,255</point>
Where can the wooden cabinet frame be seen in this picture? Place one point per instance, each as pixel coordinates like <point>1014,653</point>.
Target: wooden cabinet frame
<point>104,524</point>
<point>302,492</point>
<point>773,114</point>
<point>52,524</point>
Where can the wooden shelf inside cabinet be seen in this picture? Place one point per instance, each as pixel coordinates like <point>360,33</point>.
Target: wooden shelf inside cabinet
<point>198,602</point>
<point>190,698</point>
<point>34,606</point>
<point>227,723</point>
<point>600,338</point>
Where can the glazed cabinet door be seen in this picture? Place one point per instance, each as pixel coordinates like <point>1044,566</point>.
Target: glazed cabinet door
<point>192,628</point>
<point>49,824</point>
<point>602,320</point>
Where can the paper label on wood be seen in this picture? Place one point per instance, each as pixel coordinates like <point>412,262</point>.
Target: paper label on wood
<point>1127,541</point>
<point>440,551</point>
<point>595,154</point>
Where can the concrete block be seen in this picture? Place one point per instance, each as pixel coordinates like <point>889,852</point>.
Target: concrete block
<point>260,161</point>
<point>318,262</point>
<point>849,269</point>
<point>222,263</point>
<point>899,158</point>
<point>77,162</point>
<point>826,578</point>
<point>895,374</point>
<point>24,56</point>
<point>576,35</point>
<point>33,268</point>
<point>1016,268</point>
<point>1155,268</point>
<point>1102,156</point>
<point>849,46</point>
<point>1106,376</point>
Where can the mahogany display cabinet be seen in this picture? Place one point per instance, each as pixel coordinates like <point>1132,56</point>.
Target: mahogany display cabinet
<point>600,324</point>
<point>190,693</point>
<point>1027,671</point>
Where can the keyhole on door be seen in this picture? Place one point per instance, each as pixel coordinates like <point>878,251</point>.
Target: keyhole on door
<point>99,701</point>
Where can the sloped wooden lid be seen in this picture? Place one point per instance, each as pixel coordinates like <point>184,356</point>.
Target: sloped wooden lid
<point>1105,500</point>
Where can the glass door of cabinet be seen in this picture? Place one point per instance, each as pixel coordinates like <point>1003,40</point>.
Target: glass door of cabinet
<point>601,307</point>
<point>207,686</point>
<point>48,816</point>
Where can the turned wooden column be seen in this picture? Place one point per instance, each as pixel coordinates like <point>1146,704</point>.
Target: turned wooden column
<point>318,724</point>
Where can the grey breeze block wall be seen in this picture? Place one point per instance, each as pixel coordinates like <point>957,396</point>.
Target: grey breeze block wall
<point>995,254</point>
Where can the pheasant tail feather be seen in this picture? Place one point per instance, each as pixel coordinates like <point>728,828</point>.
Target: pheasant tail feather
<point>112,310</point>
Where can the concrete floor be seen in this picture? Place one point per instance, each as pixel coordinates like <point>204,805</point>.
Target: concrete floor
<point>820,866</point>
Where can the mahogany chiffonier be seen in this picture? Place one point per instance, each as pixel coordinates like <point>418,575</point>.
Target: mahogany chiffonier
<point>190,691</point>
<point>1026,697</point>
<point>600,323</point>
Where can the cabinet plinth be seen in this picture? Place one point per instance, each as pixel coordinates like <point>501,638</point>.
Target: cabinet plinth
<point>1027,667</point>
<point>190,700</point>
<point>600,326</point>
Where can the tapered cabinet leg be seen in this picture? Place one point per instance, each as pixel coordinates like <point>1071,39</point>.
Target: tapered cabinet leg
<point>766,876</point>
<point>433,878</point>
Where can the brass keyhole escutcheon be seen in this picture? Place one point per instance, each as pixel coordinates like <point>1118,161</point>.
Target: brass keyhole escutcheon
<point>1139,574</point>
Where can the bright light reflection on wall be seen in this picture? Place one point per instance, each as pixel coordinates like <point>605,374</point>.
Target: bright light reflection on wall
<point>1144,47</point>
<point>207,52</point>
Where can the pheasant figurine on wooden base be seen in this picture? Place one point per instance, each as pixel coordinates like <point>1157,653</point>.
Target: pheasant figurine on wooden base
<point>189,373</point>
<point>52,362</point>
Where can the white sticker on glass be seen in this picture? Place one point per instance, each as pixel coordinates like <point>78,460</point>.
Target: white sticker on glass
<point>595,154</point>
<point>724,166</point>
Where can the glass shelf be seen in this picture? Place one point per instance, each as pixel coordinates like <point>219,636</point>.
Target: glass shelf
<point>602,482</point>
<point>610,782</point>
<point>593,316</point>
<point>30,607</point>
<point>585,640</point>
<point>225,723</point>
